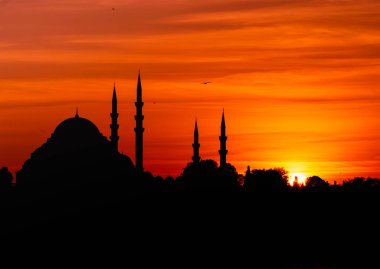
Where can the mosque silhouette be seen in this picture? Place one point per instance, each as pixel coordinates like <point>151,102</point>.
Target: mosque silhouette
<point>78,190</point>
<point>77,150</point>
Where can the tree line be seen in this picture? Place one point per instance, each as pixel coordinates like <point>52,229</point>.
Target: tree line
<point>207,175</point>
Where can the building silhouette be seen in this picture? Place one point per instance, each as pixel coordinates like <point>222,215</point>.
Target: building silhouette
<point>223,148</point>
<point>75,153</point>
<point>114,125</point>
<point>196,158</point>
<point>76,150</point>
<point>139,130</point>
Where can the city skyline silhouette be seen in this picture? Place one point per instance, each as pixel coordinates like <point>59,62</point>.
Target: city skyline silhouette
<point>78,169</point>
<point>298,80</point>
<point>190,133</point>
<point>76,134</point>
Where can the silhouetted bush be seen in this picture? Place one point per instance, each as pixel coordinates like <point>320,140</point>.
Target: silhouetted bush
<point>5,178</point>
<point>207,175</point>
<point>315,182</point>
<point>266,180</point>
<point>361,183</point>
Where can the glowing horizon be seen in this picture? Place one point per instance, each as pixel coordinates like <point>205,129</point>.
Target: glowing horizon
<point>298,79</point>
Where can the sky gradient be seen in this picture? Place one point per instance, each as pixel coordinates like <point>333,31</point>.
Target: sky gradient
<point>298,79</point>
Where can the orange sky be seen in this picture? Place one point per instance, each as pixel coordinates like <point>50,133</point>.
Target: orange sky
<point>298,79</point>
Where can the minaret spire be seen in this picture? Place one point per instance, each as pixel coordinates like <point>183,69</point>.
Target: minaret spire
<point>114,125</point>
<point>223,138</point>
<point>139,89</point>
<point>196,144</point>
<point>139,130</point>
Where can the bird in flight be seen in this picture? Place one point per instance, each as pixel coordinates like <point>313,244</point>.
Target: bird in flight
<point>206,82</point>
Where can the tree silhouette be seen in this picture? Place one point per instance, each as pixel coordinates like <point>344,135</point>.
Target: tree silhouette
<point>5,178</point>
<point>360,183</point>
<point>267,180</point>
<point>316,182</point>
<point>207,175</point>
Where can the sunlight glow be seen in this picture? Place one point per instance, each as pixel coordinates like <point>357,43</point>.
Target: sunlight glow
<point>300,177</point>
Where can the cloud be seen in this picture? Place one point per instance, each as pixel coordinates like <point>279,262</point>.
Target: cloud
<point>345,139</point>
<point>45,103</point>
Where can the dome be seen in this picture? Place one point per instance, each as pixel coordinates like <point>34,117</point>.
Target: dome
<point>76,150</point>
<point>76,128</point>
<point>71,135</point>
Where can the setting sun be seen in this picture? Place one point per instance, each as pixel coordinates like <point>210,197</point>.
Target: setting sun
<point>301,178</point>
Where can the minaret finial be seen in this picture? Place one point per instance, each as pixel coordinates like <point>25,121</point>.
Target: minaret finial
<point>223,138</point>
<point>196,158</point>
<point>77,113</point>
<point>114,98</point>
<point>139,130</point>
<point>114,125</point>
<point>139,88</point>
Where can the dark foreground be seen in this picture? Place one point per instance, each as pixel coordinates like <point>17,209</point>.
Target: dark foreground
<point>198,229</point>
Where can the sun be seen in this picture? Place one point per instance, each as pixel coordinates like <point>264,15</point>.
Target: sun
<point>300,177</point>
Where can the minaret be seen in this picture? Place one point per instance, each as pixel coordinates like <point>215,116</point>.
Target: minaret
<point>196,145</point>
<point>114,126</point>
<point>223,138</point>
<point>139,130</point>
